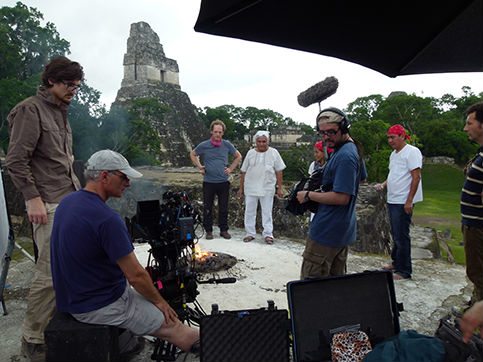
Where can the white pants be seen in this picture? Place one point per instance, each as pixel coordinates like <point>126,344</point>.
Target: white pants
<point>251,204</point>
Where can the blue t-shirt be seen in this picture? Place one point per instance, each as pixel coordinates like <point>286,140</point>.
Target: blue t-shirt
<point>215,160</point>
<point>87,239</point>
<point>335,225</point>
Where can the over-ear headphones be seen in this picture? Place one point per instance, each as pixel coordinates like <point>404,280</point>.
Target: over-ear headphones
<point>345,124</point>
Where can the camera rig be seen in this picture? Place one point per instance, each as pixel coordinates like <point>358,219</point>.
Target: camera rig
<point>172,228</point>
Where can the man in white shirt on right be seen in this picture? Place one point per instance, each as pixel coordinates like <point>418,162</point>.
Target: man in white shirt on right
<point>404,189</point>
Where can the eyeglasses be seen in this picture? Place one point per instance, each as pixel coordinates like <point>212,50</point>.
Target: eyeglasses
<point>71,87</point>
<point>119,174</point>
<point>330,132</point>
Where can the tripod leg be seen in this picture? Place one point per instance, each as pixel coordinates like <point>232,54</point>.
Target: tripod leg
<point>6,264</point>
<point>4,307</point>
<point>24,252</point>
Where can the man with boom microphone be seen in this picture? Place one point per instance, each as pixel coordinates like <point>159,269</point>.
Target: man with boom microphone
<point>333,227</point>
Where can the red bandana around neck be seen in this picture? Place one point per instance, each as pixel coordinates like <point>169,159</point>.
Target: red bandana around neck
<point>216,143</point>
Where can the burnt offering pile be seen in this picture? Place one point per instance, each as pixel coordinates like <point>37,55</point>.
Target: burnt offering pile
<point>210,262</point>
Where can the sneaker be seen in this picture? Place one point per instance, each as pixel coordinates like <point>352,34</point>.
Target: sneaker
<point>225,234</point>
<point>209,235</point>
<point>33,351</point>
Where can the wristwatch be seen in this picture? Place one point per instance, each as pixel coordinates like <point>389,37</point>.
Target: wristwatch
<point>307,198</point>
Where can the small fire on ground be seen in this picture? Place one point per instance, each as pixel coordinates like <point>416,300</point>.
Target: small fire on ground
<point>208,262</point>
<point>203,254</point>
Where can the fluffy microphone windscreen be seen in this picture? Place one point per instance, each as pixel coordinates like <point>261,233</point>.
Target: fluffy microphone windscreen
<point>318,92</point>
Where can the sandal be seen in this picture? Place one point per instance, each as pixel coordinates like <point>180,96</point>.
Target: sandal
<point>247,239</point>
<point>269,240</point>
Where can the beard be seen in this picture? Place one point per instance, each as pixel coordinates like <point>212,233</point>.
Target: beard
<point>66,100</point>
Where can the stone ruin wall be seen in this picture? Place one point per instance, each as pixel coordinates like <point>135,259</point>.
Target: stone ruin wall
<point>145,60</point>
<point>281,139</point>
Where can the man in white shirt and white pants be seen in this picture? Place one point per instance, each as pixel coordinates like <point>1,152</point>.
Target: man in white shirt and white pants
<point>261,171</point>
<point>404,189</point>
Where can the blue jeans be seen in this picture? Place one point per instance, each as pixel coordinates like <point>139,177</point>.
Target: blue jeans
<point>401,251</point>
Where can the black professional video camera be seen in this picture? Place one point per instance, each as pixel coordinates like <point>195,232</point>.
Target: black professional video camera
<point>170,229</point>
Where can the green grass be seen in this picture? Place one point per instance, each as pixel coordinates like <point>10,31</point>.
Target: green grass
<point>441,206</point>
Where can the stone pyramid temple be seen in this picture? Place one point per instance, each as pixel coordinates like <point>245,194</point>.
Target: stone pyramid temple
<point>148,73</point>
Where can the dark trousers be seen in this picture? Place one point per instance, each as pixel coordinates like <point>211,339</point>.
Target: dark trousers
<point>211,189</point>
<point>401,251</point>
<point>473,241</point>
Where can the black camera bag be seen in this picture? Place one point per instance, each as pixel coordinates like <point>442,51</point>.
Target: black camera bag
<point>457,350</point>
<point>312,183</point>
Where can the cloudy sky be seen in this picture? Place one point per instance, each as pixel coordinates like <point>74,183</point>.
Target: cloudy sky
<point>216,70</point>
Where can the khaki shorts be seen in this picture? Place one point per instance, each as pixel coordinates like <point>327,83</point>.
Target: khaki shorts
<point>131,311</point>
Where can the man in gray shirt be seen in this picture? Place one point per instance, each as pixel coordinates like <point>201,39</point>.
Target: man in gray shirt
<point>215,176</point>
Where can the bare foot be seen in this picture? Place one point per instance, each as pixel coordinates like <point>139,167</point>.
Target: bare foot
<point>397,276</point>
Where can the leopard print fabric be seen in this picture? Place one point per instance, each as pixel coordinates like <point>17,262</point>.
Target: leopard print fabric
<point>350,346</point>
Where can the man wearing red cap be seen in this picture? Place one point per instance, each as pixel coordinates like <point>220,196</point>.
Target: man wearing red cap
<point>403,190</point>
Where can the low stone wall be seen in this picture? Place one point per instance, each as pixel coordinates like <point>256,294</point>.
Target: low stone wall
<point>440,160</point>
<point>373,234</point>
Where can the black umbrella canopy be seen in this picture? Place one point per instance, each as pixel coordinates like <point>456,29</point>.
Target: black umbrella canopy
<point>391,37</point>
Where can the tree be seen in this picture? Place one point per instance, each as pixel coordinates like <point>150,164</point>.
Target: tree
<point>307,129</point>
<point>226,113</point>
<point>28,42</point>
<point>297,160</point>
<point>240,121</point>
<point>441,138</point>
<point>373,137</point>
<point>12,91</point>
<point>363,108</point>
<point>85,114</point>
<point>407,110</point>
<point>130,132</point>
<point>264,119</point>
<point>25,48</point>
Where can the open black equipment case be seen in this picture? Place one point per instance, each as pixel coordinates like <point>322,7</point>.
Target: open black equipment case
<point>318,306</point>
